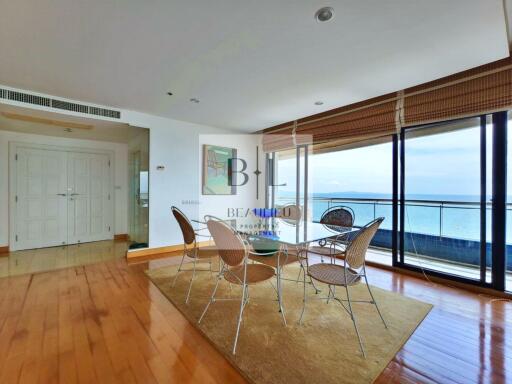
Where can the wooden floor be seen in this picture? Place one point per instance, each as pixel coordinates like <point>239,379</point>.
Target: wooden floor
<point>107,323</point>
<point>50,259</point>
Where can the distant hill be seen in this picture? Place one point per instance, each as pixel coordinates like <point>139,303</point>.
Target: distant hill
<point>373,195</point>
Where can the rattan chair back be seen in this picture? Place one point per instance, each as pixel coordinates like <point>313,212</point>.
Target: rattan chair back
<point>290,214</point>
<point>356,250</point>
<point>187,230</point>
<point>231,247</point>
<point>339,216</point>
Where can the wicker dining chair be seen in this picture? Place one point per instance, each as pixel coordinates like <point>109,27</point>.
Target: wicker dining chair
<point>191,248</point>
<point>337,216</point>
<point>235,269</point>
<point>348,274</point>
<point>290,214</point>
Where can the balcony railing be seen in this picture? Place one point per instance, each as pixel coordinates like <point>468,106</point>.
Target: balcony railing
<point>443,230</point>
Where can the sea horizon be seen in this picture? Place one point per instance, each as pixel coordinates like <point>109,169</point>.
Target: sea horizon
<point>462,222</point>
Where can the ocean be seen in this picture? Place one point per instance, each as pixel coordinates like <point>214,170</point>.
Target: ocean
<point>435,217</point>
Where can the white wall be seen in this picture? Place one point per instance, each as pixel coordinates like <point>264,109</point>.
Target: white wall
<point>177,146</point>
<point>120,182</point>
<point>245,197</point>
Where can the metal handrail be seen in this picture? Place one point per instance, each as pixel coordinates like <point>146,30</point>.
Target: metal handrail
<point>426,203</point>
<point>440,204</point>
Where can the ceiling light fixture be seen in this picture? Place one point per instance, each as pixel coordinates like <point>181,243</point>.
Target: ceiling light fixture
<point>324,14</point>
<point>194,100</point>
<point>319,102</point>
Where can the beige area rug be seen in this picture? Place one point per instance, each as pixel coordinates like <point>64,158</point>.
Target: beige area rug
<point>322,350</point>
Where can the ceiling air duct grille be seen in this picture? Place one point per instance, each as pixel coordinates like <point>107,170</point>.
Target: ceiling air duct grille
<point>67,106</point>
<point>105,112</point>
<point>27,98</point>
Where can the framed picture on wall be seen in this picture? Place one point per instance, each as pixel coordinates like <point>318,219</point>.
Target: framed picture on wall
<point>217,163</point>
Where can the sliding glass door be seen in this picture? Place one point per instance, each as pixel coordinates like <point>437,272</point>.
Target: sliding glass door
<point>442,189</point>
<point>446,195</point>
<point>508,246</point>
<point>357,176</point>
<point>289,183</point>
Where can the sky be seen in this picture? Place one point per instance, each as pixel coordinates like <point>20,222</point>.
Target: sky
<point>440,164</point>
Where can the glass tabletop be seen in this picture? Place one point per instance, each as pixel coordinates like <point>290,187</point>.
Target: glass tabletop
<point>283,231</point>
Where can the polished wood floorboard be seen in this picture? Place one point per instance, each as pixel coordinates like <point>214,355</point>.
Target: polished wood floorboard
<point>107,323</point>
<point>49,259</point>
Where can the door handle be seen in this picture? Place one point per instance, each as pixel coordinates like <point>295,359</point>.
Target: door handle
<point>75,194</point>
<point>61,194</point>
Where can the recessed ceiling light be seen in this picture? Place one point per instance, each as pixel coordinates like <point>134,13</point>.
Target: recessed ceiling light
<point>319,102</point>
<point>194,100</point>
<point>324,14</point>
<point>169,93</point>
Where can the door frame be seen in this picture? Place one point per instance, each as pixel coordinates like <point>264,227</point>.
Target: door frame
<point>498,217</point>
<point>13,148</point>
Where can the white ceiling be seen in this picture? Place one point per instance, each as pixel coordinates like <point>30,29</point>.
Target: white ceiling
<point>101,131</point>
<point>253,64</point>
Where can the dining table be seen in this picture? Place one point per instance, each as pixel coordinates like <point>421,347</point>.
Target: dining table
<point>293,238</point>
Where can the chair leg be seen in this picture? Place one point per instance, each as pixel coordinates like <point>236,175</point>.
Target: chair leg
<point>242,305</point>
<point>300,272</point>
<point>354,321</point>
<point>212,297</point>
<point>374,302</point>
<point>179,270</point>
<point>304,299</point>
<point>314,286</point>
<point>330,294</point>
<point>280,293</point>
<point>191,281</point>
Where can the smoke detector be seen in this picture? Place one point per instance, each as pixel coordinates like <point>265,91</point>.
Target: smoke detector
<point>324,14</point>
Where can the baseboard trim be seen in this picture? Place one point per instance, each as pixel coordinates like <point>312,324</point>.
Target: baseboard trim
<point>4,249</point>
<point>147,253</point>
<point>442,281</point>
<point>121,236</point>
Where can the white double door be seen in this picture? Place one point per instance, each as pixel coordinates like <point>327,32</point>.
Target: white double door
<point>61,197</point>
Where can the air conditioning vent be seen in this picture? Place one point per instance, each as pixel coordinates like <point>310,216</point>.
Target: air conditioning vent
<point>105,112</point>
<point>67,106</point>
<point>27,98</point>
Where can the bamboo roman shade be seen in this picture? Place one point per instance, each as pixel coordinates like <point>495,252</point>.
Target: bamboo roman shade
<point>480,90</point>
<point>368,121</point>
<point>279,141</point>
<point>372,118</point>
<point>283,140</point>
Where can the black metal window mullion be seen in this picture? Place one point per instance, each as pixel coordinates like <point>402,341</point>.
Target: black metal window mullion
<point>483,198</point>
<point>394,234</point>
<point>402,197</point>
<point>499,199</point>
